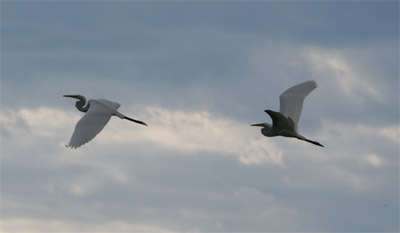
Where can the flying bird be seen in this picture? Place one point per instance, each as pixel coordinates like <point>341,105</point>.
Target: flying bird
<point>98,113</point>
<point>284,122</point>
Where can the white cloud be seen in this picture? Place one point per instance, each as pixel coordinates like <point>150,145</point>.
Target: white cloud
<point>192,132</point>
<point>375,160</point>
<point>47,117</point>
<point>332,65</point>
<point>42,122</point>
<point>176,130</point>
<point>201,131</point>
<point>392,133</point>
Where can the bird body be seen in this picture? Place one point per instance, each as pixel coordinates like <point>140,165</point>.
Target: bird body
<point>284,122</point>
<point>98,113</point>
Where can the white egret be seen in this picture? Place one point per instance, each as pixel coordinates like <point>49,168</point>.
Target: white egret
<point>98,113</point>
<point>284,122</point>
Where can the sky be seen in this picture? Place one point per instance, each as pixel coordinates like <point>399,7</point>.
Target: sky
<point>199,74</point>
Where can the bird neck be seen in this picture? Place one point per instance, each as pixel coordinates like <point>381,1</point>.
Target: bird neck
<point>268,131</point>
<point>80,105</point>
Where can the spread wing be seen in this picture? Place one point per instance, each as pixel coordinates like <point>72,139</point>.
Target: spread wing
<point>291,101</point>
<point>98,115</point>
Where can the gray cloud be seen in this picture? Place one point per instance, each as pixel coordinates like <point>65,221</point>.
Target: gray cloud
<point>199,74</point>
<point>140,181</point>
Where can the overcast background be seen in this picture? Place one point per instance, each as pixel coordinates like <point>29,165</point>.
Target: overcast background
<point>199,73</point>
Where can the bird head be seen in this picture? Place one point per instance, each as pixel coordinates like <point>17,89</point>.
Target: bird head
<point>80,104</point>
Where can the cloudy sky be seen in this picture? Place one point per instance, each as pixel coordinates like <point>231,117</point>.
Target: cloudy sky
<point>199,73</point>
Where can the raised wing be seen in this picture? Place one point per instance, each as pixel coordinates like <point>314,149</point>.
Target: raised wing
<point>291,101</point>
<point>98,115</point>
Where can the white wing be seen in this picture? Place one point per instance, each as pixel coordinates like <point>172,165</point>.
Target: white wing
<point>108,103</point>
<point>291,101</point>
<point>98,115</point>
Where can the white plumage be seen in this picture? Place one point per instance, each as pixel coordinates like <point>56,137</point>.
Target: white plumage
<point>291,101</point>
<point>284,122</point>
<point>98,113</point>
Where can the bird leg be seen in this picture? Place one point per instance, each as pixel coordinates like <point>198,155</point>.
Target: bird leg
<point>136,121</point>
<point>313,142</point>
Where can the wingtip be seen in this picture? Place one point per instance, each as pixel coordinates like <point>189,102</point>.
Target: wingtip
<point>314,82</point>
<point>71,147</point>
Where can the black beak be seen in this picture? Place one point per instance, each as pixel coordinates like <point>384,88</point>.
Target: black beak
<point>71,96</point>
